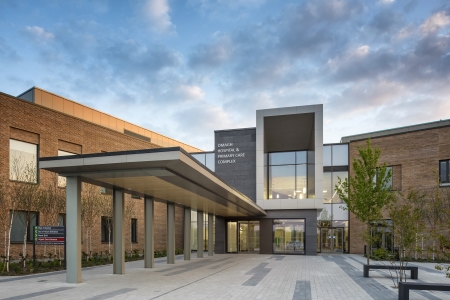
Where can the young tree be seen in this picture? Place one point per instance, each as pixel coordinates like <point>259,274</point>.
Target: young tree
<point>4,220</point>
<point>130,213</point>
<point>366,192</point>
<point>435,204</point>
<point>25,192</point>
<point>407,222</point>
<point>106,210</point>
<point>51,204</point>
<point>90,210</point>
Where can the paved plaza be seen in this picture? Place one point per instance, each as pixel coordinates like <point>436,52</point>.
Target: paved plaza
<point>225,276</point>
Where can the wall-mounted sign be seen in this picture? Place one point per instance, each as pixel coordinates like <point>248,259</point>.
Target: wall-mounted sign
<point>49,235</point>
<point>227,153</point>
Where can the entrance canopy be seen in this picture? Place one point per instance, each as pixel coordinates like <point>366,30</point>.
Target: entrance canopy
<point>166,174</point>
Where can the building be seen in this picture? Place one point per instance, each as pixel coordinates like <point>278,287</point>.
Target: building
<point>40,124</point>
<point>269,189</point>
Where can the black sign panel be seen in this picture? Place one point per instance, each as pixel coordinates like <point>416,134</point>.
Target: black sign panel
<point>49,235</point>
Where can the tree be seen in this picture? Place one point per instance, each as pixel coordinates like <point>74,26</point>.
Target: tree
<point>4,220</point>
<point>106,210</point>
<point>366,191</point>
<point>435,213</point>
<point>407,222</point>
<point>90,210</point>
<point>51,203</point>
<point>130,213</point>
<point>25,192</point>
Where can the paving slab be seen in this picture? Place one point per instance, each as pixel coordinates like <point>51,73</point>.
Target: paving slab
<point>225,276</point>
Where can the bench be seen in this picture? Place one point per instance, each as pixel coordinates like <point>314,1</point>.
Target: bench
<point>404,287</point>
<point>414,270</point>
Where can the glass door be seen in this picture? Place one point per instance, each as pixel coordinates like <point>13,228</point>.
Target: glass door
<point>332,239</point>
<point>338,243</point>
<point>243,237</point>
<point>325,237</point>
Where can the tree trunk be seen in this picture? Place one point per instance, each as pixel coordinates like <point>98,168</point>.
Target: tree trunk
<point>370,245</point>
<point>109,241</point>
<point>9,241</point>
<point>24,250</point>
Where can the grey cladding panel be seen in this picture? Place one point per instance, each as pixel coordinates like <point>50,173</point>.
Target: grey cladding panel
<point>235,159</point>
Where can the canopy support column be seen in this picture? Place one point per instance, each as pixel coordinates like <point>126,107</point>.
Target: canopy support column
<point>73,229</point>
<point>118,232</point>
<point>187,233</point>
<point>200,226</point>
<point>149,245</point>
<point>170,233</point>
<point>210,234</point>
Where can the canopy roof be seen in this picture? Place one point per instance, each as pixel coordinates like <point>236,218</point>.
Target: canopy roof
<point>167,174</point>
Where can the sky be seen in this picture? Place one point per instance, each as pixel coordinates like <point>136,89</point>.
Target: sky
<point>187,68</point>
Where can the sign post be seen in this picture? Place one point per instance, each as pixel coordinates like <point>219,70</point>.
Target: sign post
<point>49,235</point>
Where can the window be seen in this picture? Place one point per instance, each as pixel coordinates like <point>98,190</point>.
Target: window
<point>444,172</point>
<point>381,232</point>
<point>388,184</point>
<point>207,159</point>
<point>289,236</point>
<point>20,221</point>
<point>62,180</point>
<point>22,161</point>
<point>134,237</point>
<point>287,175</point>
<point>107,235</point>
<point>62,220</point>
<point>335,155</point>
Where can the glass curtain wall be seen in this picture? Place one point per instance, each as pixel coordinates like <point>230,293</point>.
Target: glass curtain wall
<point>243,237</point>
<point>332,231</point>
<point>289,236</point>
<point>286,175</point>
<point>206,159</point>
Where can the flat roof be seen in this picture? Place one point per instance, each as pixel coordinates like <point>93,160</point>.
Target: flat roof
<point>167,174</point>
<point>398,130</point>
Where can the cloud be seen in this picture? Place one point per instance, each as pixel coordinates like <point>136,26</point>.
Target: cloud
<point>435,22</point>
<point>39,34</point>
<point>211,55</point>
<point>7,53</point>
<point>157,13</point>
<point>386,1</point>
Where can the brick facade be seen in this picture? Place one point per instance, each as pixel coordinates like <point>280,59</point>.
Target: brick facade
<point>52,131</point>
<point>415,159</point>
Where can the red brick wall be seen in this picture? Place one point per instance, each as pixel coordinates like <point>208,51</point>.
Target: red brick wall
<point>53,130</point>
<point>415,157</point>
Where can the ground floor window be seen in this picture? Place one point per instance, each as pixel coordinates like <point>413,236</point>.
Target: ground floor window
<point>107,235</point>
<point>134,238</point>
<point>289,236</point>
<point>22,220</point>
<point>382,237</point>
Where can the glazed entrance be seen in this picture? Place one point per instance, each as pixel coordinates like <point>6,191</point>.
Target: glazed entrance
<point>243,237</point>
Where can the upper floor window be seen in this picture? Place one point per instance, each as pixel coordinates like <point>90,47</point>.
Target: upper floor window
<point>389,183</point>
<point>206,159</point>
<point>335,155</point>
<point>62,180</point>
<point>22,161</point>
<point>444,171</point>
<point>287,175</point>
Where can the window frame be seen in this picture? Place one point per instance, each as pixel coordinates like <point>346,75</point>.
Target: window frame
<point>36,162</point>
<point>134,230</point>
<point>267,178</point>
<point>446,182</point>
<point>104,230</point>
<point>30,230</point>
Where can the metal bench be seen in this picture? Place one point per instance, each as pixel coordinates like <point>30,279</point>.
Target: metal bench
<point>414,270</point>
<point>404,287</point>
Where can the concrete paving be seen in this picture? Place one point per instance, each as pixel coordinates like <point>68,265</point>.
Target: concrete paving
<point>225,276</point>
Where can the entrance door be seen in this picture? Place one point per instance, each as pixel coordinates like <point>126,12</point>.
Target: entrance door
<point>332,239</point>
<point>248,241</point>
